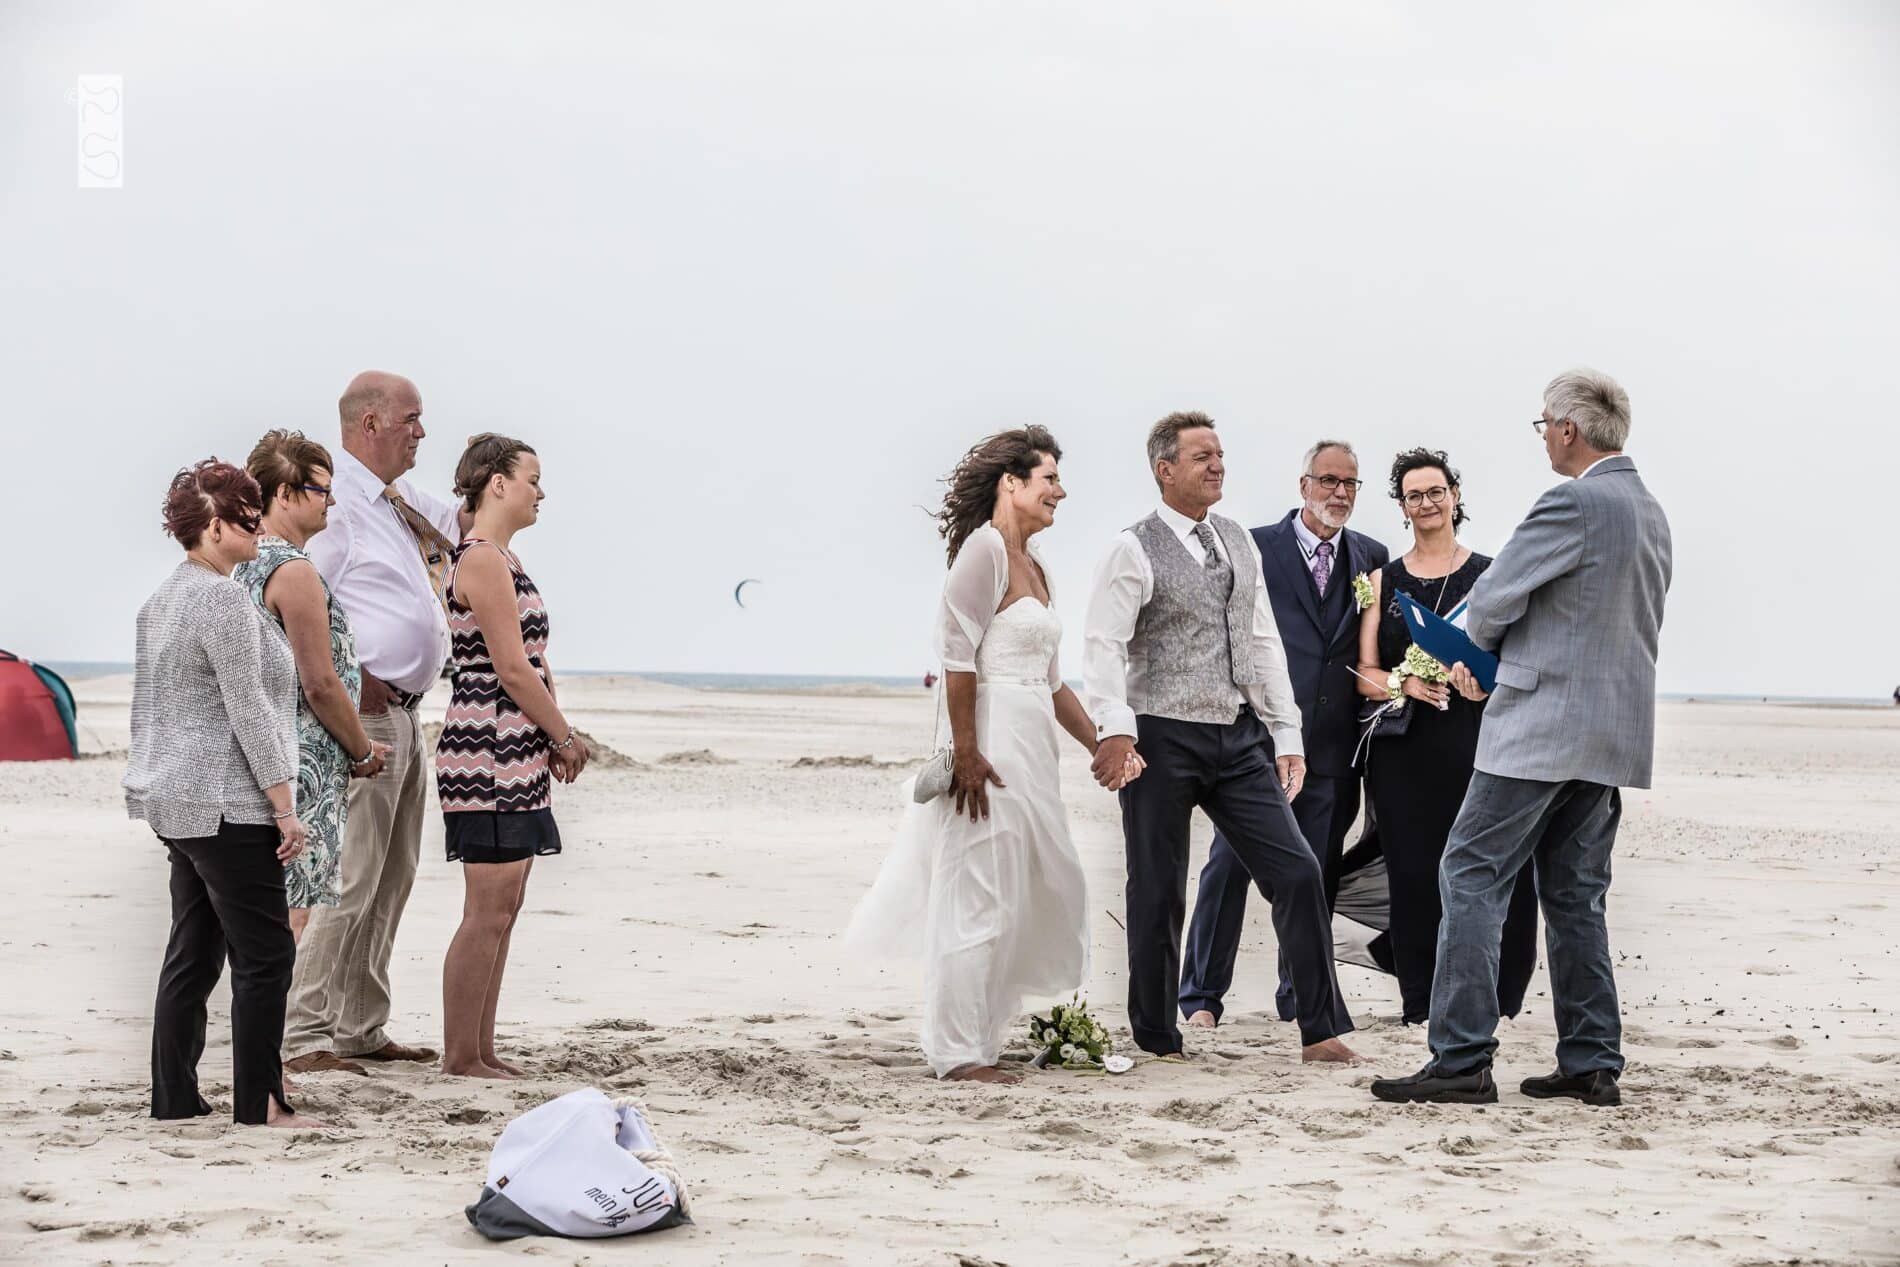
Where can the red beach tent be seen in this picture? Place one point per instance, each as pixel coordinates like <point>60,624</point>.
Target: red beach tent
<point>37,721</point>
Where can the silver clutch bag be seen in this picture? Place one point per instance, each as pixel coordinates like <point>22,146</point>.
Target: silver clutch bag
<point>934,779</point>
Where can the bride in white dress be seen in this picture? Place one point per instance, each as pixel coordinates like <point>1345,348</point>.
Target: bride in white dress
<point>983,881</point>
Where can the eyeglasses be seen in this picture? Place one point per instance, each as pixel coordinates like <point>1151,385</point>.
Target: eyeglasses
<point>1538,424</point>
<point>1435,495</point>
<point>319,489</point>
<point>1332,483</point>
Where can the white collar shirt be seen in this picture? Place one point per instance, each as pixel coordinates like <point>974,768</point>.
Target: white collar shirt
<point>1599,462</point>
<point>374,568</point>
<point>1310,541</point>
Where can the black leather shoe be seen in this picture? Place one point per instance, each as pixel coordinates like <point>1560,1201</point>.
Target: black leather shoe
<point>1596,1087</point>
<point>1428,1086</point>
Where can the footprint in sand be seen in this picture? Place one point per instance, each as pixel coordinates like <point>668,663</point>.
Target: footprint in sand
<point>1781,1042</point>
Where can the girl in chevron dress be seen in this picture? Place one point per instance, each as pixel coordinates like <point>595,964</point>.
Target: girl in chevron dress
<point>503,742</point>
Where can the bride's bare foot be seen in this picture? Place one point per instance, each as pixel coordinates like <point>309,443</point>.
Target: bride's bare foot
<point>476,1070</point>
<point>984,1073</point>
<point>1329,1052</point>
<point>279,1116</point>
<point>1202,1019</point>
<point>501,1070</point>
<point>506,1066</point>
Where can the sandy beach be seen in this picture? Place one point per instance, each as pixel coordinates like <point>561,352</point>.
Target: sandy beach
<point>685,948</point>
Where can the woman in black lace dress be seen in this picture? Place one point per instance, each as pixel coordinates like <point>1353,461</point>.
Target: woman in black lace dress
<point>1417,778</point>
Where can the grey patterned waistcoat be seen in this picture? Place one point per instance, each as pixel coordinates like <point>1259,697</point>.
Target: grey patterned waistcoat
<point>1193,648</point>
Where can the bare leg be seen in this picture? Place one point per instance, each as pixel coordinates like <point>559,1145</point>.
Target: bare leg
<point>488,1055</point>
<point>488,906</point>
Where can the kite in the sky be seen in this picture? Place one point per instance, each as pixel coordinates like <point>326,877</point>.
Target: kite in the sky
<point>739,589</point>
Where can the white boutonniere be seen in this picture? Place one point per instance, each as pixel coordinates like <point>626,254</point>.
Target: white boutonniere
<point>1362,592</point>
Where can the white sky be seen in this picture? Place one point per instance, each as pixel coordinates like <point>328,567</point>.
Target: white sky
<point>752,276</point>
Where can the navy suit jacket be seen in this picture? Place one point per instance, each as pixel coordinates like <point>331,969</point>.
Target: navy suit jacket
<point>1320,654</point>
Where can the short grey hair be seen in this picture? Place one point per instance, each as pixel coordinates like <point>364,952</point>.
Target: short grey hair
<point>1595,403</point>
<point>1164,438</point>
<point>1306,465</point>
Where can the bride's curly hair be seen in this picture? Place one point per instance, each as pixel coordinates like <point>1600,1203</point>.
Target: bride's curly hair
<point>970,500</point>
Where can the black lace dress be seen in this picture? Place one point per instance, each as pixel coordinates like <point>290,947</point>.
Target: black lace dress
<point>1417,782</point>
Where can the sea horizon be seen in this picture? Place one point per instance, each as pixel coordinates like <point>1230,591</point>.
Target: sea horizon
<point>81,670</point>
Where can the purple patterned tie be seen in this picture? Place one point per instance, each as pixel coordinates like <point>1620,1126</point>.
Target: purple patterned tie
<point>1322,565</point>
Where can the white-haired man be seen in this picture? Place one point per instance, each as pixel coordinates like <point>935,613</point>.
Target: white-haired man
<point>1573,607</point>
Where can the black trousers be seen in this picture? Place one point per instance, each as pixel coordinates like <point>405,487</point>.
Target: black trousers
<point>1223,769</point>
<point>227,899</point>
<point>1325,810</point>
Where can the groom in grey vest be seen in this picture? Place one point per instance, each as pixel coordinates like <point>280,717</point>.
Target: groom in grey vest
<point>1573,607</point>
<point>1183,664</point>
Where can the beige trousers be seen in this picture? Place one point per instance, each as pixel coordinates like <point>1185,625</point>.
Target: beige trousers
<point>339,994</point>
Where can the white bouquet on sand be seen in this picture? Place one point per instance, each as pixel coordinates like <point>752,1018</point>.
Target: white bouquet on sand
<point>1069,1037</point>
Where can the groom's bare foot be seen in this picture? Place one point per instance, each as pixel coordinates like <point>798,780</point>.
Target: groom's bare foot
<point>1329,1052</point>
<point>1202,1019</point>
<point>279,1116</point>
<point>476,1070</point>
<point>508,1067</point>
<point>983,1073</point>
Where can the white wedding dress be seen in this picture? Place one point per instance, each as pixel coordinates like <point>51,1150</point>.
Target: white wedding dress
<point>997,908</point>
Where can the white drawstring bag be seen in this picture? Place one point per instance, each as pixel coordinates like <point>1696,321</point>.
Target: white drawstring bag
<point>580,1165</point>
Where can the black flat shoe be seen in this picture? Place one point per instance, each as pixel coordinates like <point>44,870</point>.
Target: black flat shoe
<point>1597,1087</point>
<point>1428,1086</point>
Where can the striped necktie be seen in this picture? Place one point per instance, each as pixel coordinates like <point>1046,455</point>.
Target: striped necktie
<point>435,547</point>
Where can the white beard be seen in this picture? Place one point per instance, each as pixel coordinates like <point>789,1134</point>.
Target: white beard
<point>1320,512</point>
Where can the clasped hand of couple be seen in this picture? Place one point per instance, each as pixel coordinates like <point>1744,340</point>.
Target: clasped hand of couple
<point>1116,757</point>
<point>971,776</point>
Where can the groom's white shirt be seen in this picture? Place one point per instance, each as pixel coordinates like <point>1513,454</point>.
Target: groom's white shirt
<point>1124,583</point>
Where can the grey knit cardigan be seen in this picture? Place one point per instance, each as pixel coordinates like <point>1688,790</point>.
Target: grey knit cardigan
<point>214,708</point>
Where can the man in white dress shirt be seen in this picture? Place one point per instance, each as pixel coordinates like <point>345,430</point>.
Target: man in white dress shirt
<point>384,555</point>
<point>1182,662</point>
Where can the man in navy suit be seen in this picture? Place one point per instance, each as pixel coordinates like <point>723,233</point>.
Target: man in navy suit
<point>1309,559</point>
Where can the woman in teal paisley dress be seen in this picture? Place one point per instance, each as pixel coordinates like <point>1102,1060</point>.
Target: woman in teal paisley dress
<point>332,747</point>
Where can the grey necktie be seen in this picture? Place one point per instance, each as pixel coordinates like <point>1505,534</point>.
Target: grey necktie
<point>1219,575</point>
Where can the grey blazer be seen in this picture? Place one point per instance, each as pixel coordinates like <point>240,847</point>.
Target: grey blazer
<point>1573,607</point>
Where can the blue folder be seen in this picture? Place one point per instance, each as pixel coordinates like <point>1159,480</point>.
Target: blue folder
<point>1447,643</point>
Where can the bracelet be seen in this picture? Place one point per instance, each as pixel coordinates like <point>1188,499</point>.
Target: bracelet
<point>365,759</point>
<point>565,744</point>
<point>278,818</point>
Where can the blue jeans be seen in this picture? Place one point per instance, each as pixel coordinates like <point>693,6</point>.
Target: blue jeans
<point>1567,829</point>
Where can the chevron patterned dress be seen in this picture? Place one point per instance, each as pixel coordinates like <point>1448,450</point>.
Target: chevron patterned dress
<point>491,763</point>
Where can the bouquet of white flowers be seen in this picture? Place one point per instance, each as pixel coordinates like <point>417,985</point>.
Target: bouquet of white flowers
<point>1069,1037</point>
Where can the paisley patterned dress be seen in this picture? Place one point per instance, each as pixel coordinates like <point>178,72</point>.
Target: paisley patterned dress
<point>313,878</point>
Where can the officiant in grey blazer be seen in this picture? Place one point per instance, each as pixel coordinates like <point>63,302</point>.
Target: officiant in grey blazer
<point>1572,607</point>
<point>1183,664</point>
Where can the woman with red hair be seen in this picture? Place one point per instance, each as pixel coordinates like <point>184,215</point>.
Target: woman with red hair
<point>212,771</point>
